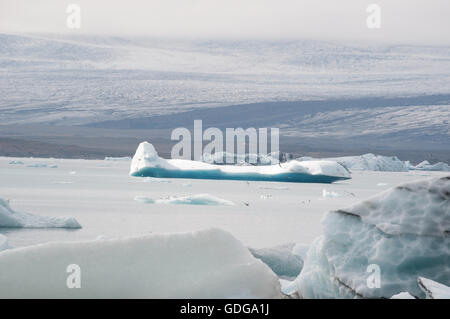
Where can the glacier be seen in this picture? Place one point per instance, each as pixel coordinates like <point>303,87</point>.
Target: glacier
<point>147,163</point>
<point>14,219</point>
<point>202,264</point>
<point>404,231</point>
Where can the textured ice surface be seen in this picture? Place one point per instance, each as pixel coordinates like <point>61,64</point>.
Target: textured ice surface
<point>244,159</point>
<point>198,199</point>
<point>142,77</point>
<point>405,231</point>
<point>281,259</point>
<point>3,242</point>
<point>369,162</point>
<point>426,166</point>
<point>204,264</point>
<point>146,162</point>
<point>433,290</point>
<point>403,295</point>
<point>11,218</point>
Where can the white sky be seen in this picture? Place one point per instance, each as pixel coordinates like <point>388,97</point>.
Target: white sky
<point>402,21</point>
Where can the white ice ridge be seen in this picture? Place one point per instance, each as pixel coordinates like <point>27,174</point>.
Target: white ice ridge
<point>11,218</point>
<point>199,199</point>
<point>426,166</point>
<point>403,232</point>
<point>146,162</point>
<point>369,162</point>
<point>203,264</point>
<point>433,290</point>
<point>3,242</point>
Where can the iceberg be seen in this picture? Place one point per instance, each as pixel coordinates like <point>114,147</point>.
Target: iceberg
<point>147,163</point>
<point>11,218</point>
<point>200,199</point>
<point>368,162</point>
<point>433,290</point>
<point>404,232</point>
<point>281,259</point>
<point>426,166</point>
<point>204,264</point>
<point>16,163</point>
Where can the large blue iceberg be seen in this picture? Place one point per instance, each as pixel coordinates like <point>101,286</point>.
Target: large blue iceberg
<point>147,163</point>
<point>400,235</point>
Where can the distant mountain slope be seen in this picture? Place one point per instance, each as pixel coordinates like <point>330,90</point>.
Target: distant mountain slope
<point>79,80</point>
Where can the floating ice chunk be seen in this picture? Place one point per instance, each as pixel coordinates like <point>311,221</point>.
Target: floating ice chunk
<point>266,196</point>
<point>333,194</point>
<point>382,184</point>
<point>426,166</point>
<point>72,173</point>
<point>54,166</point>
<point>144,199</point>
<point>433,289</point>
<point>16,163</point>
<point>38,165</point>
<point>118,159</point>
<point>186,185</point>
<point>279,188</point>
<point>146,162</point>
<point>403,295</point>
<point>326,193</point>
<point>199,199</point>
<point>204,264</point>
<point>280,259</point>
<point>3,242</point>
<point>369,162</point>
<point>11,218</point>
<point>404,231</point>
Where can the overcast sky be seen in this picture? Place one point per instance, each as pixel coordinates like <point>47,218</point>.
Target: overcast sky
<point>402,21</point>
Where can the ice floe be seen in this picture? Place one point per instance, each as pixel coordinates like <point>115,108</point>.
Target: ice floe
<point>368,162</point>
<point>38,165</point>
<point>404,231</point>
<point>16,163</point>
<point>198,199</point>
<point>11,218</point>
<point>118,159</point>
<point>333,194</point>
<point>426,166</point>
<point>203,264</point>
<point>146,162</point>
